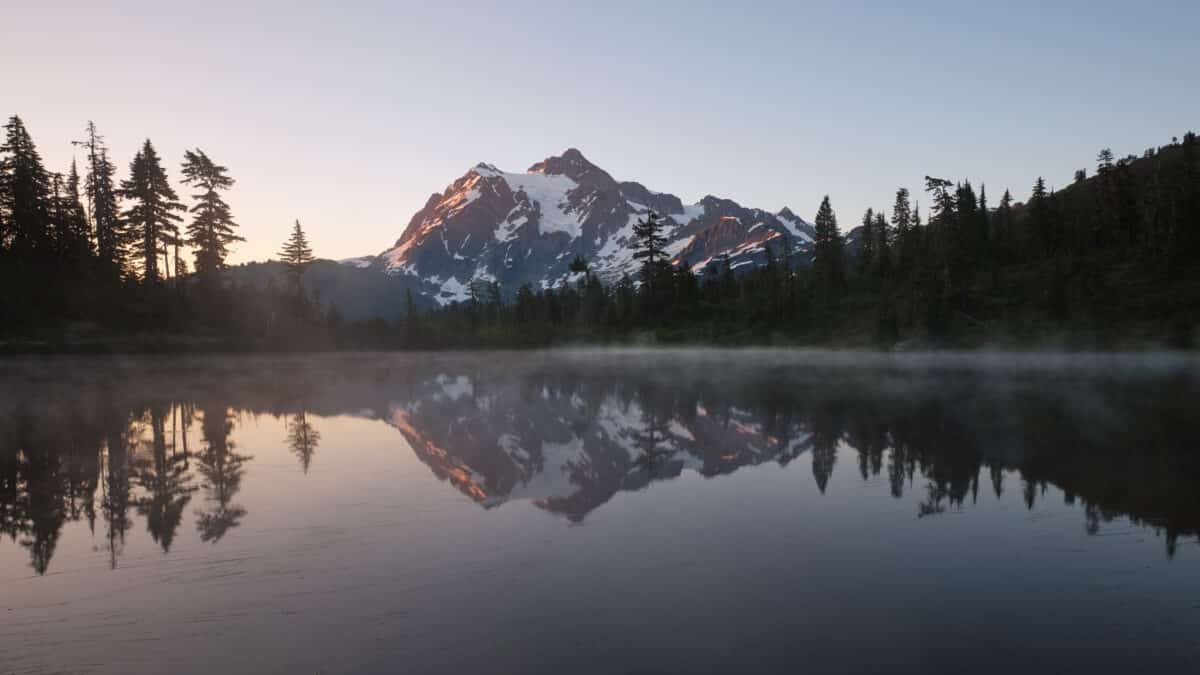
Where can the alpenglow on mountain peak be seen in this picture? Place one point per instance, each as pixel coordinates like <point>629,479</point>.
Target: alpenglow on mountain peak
<point>490,225</point>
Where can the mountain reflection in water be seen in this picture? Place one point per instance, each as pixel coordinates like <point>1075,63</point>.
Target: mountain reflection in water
<point>113,441</point>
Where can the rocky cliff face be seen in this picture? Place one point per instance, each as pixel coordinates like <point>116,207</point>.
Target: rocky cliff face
<point>518,228</point>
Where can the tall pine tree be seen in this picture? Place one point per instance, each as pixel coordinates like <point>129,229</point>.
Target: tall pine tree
<point>828,263</point>
<point>902,224</point>
<point>78,248</point>
<point>883,248</point>
<point>212,228</point>
<point>648,243</point>
<point>24,194</point>
<point>107,227</point>
<point>1002,230</point>
<point>1040,237</point>
<point>152,215</point>
<point>296,255</point>
<point>867,241</point>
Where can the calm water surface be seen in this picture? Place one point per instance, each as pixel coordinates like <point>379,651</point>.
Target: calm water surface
<point>616,512</point>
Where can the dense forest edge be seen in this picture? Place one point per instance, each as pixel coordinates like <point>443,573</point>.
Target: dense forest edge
<point>91,263</point>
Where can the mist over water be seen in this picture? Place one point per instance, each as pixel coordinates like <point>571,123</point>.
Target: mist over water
<point>600,511</point>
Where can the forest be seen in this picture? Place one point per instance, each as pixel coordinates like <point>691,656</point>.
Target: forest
<point>90,261</point>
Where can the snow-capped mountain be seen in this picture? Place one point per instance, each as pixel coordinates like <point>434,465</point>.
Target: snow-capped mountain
<point>518,228</point>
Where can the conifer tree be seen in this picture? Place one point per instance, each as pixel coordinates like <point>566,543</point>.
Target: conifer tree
<point>410,306</point>
<point>24,193</point>
<point>57,221</point>
<point>903,227</point>
<point>1001,230</point>
<point>525,306</point>
<point>296,256</point>
<point>883,248</point>
<point>1039,220</point>
<point>152,215</point>
<point>942,213</point>
<point>964,238</point>
<point>212,228</point>
<point>578,264</point>
<point>982,230</point>
<point>648,243</point>
<point>106,225</point>
<point>866,252</point>
<point>79,233</point>
<point>828,264</point>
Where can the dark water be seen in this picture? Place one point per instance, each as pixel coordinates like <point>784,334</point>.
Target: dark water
<point>600,513</point>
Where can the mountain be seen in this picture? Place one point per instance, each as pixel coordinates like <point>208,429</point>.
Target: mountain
<point>518,228</point>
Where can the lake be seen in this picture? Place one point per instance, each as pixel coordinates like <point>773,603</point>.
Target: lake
<point>600,512</point>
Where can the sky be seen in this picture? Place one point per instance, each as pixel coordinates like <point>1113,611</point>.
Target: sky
<point>348,115</point>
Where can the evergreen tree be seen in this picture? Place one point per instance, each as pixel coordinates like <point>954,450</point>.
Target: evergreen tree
<point>867,242</point>
<point>1001,230</point>
<point>828,264</point>
<point>296,256</point>
<point>212,228</point>
<point>939,230</point>
<point>981,246</point>
<point>58,221</point>
<point>1040,237</point>
<point>964,238</point>
<point>902,224</point>
<point>526,304</point>
<point>24,194</point>
<point>79,247</point>
<point>152,214</point>
<point>106,225</point>
<point>410,306</point>
<point>578,264</point>
<point>648,243</point>
<point>883,248</point>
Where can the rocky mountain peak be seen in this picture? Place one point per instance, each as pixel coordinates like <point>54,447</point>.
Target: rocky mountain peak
<point>572,164</point>
<point>490,225</point>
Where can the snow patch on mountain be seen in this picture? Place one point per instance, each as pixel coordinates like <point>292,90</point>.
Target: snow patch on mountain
<point>549,194</point>
<point>794,225</point>
<point>690,213</point>
<point>518,228</point>
<point>360,262</point>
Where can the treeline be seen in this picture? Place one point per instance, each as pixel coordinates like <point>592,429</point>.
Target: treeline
<point>1110,260</point>
<point>87,254</point>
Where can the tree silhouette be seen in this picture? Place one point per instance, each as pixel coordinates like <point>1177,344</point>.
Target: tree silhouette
<point>166,482</point>
<point>648,243</point>
<point>828,263</point>
<point>109,231</point>
<point>24,194</point>
<point>222,470</point>
<point>212,228</point>
<point>296,256</point>
<point>302,438</point>
<point>152,215</point>
<point>115,499</point>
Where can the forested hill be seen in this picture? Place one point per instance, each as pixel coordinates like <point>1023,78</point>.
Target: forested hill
<point>92,257</point>
<point>1109,261</point>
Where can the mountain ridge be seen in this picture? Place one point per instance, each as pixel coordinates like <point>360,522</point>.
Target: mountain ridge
<point>490,225</point>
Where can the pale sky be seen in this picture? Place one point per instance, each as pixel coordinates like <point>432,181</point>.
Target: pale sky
<point>348,115</point>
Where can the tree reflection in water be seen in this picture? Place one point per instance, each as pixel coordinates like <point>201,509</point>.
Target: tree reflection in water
<point>569,435</point>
